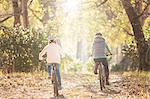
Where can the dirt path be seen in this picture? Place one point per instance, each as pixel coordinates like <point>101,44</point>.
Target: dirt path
<point>83,86</point>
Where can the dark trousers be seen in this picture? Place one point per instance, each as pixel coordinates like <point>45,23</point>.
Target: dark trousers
<point>105,64</point>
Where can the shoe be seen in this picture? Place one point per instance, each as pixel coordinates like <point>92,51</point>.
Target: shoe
<point>95,72</point>
<point>52,82</point>
<point>59,88</point>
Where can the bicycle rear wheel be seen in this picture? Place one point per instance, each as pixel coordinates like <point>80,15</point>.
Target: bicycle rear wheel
<point>101,77</point>
<point>55,82</point>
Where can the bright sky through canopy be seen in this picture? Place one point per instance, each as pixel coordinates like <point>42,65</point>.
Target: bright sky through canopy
<point>71,5</point>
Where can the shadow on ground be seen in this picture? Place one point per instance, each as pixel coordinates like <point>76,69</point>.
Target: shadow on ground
<point>59,97</point>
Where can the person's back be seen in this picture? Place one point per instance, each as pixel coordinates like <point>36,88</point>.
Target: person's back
<point>53,53</point>
<point>99,47</point>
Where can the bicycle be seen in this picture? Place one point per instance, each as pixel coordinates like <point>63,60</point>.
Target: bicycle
<point>55,80</point>
<point>101,75</point>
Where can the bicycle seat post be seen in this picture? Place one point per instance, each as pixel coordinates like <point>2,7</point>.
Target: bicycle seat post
<point>53,66</point>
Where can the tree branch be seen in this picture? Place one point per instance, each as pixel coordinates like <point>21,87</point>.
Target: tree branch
<point>30,3</point>
<point>126,31</point>
<point>11,15</point>
<point>3,27</point>
<point>98,5</point>
<point>35,15</point>
<point>147,6</point>
<point>1,21</point>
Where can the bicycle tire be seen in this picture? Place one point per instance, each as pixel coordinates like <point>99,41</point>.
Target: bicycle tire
<point>101,77</point>
<point>100,82</point>
<point>55,82</point>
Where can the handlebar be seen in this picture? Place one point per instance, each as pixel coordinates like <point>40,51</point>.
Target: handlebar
<point>109,54</point>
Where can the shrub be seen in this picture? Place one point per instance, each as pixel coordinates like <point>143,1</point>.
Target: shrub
<point>65,61</point>
<point>116,68</point>
<point>90,64</point>
<point>19,48</point>
<point>131,54</point>
<point>75,66</point>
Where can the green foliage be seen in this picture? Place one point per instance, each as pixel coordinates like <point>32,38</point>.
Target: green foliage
<point>130,60</point>
<point>75,66</point>
<point>65,61</point>
<point>90,64</point>
<point>147,33</point>
<point>19,48</point>
<point>23,45</point>
<point>5,4</point>
<point>130,52</point>
<point>116,68</point>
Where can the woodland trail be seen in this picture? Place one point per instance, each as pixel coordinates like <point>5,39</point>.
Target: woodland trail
<point>75,86</point>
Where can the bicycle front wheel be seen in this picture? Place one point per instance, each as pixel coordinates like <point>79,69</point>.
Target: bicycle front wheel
<point>101,79</point>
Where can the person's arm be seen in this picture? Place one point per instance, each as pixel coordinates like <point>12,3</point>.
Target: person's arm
<point>107,48</point>
<point>43,52</point>
<point>61,52</point>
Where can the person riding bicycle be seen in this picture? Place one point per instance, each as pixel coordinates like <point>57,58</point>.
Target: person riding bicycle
<point>99,49</point>
<point>53,52</point>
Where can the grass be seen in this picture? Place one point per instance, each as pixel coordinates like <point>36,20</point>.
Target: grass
<point>24,74</point>
<point>137,74</point>
<point>139,83</point>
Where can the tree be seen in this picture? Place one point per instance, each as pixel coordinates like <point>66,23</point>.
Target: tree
<point>137,12</point>
<point>142,13</point>
<point>45,5</point>
<point>17,11</point>
<point>136,22</point>
<point>25,13</point>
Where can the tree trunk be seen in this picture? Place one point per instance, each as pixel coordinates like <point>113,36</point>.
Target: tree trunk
<point>138,8</point>
<point>16,10</point>
<point>79,48</point>
<point>45,5</point>
<point>47,16</point>
<point>53,8</point>
<point>25,13</point>
<point>146,14</point>
<point>138,33</point>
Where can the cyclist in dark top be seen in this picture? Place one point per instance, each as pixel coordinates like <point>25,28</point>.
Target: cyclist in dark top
<point>99,50</point>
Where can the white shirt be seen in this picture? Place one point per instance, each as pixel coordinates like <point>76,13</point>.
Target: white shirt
<point>53,52</point>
